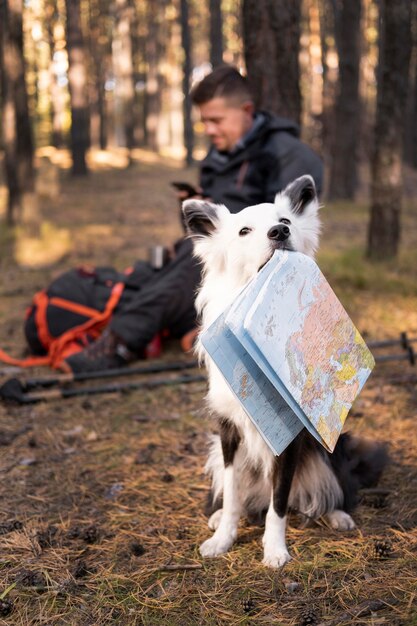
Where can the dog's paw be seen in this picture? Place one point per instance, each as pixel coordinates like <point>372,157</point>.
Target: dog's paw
<point>275,556</point>
<point>214,519</point>
<point>340,520</point>
<point>216,545</point>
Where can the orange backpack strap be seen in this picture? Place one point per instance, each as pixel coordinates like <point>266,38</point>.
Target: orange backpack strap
<point>94,326</point>
<point>41,301</point>
<point>31,361</point>
<point>74,307</point>
<point>57,346</point>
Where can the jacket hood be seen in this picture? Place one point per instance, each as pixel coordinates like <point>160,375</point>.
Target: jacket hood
<point>274,123</point>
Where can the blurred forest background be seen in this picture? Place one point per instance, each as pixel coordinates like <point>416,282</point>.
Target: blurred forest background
<point>78,74</point>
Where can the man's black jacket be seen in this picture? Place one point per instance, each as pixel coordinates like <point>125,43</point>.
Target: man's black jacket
<point>268,158</point>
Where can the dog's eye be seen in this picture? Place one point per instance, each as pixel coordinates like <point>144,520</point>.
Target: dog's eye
<point>284,220</point>
<point>244,231</point>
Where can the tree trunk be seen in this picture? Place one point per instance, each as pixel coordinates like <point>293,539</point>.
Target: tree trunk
<point>411,133</point>
<point>57,101</point>
<point>271,33</point>
<point>77,77</point>
<point>216,32</point>
<point>17,134</point>
<point>123,70</point>
<point>344,147</point>
<point>386,186</point>
<point>100,50</point>
<point>153,77</point>
<point>186,81</point>
<point>410,148</point>
<point>101,106</point>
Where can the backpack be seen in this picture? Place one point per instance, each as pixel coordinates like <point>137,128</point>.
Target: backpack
<point>74,310</point>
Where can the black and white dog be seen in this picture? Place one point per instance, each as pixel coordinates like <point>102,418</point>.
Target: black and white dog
<point>246,477</point>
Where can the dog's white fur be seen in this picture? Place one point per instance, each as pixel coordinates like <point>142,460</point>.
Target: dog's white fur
<point>233,247</point>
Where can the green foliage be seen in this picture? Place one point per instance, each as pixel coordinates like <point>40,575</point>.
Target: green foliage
<point>350,269</point>
<point>342,255</point>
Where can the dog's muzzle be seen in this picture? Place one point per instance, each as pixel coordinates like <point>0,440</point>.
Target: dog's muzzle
<point>278,236</point>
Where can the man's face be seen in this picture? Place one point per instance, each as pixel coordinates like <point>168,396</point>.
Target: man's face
<point>225,121</point>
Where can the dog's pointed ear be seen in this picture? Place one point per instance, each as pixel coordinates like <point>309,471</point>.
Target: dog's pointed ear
<point>301,192</point>
<point>201,217</point>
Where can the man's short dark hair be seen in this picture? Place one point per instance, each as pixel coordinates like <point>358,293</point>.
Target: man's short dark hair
<point>224,82</point>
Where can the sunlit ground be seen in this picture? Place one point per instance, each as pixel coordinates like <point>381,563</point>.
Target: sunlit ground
<point>39,242</point>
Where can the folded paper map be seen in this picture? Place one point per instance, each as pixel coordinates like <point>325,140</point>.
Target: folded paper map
<point>290,353</point>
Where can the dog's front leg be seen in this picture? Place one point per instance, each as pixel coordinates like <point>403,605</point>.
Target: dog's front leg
<point>275,548</point>
<point>226,532</point>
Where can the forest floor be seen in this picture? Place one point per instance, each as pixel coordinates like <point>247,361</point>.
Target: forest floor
<point>102,498</point>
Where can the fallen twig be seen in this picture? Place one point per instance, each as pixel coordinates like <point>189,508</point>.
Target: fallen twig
<point>177,567</point>
<point>375,491</point>
<point>11,293</point>
<point>361,610</point>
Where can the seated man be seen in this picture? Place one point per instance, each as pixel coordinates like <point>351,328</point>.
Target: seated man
<point>252,157</point>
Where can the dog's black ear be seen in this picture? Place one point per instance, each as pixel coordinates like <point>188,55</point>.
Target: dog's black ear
<point>200,216</point>
<point>301,192</point>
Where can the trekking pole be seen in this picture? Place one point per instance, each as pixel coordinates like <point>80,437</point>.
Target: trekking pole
<point>15,394</point>
<point>404,341</point>
<point>409,379</point>
<point>409,355</point>
<point>10,369</point>
<point>62,379</point>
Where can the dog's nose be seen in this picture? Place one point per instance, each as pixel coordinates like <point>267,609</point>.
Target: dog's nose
<point>280,232</point>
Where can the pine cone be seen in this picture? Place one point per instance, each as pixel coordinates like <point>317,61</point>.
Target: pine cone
<point>248,605</point>
<point>382,549</point>
<point>377,501</point>
<point>308,617</point>
<point>183,533</point>
<point>27,578</point>
<point>90,534</point>
<point>46,537</point>
<point>137,548</point>
<point>6,607</point>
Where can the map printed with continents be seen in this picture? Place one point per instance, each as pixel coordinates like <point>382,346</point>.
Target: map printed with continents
<point>290,353</point>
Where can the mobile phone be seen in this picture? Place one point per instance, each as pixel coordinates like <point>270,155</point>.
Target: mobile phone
<point>186,187</point>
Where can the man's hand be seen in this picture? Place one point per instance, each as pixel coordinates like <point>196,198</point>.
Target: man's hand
<point>185,191</point>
